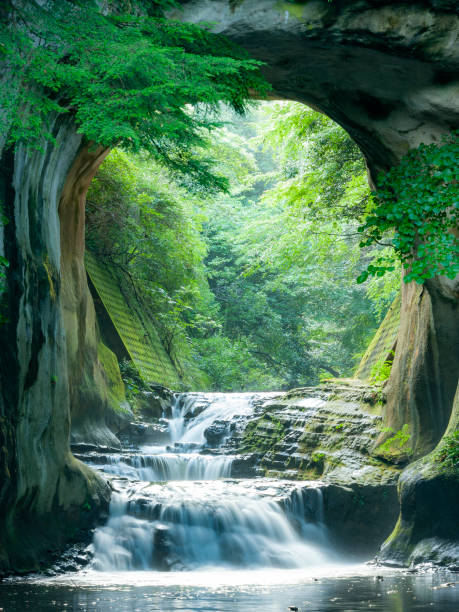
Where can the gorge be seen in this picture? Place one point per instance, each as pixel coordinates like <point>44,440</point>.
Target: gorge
<point>387,72</point>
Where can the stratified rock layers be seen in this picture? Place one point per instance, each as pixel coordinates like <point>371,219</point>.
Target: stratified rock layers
<point>328,433</point>
<point>46,495</point>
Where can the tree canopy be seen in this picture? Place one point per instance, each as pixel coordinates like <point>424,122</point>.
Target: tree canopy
<point>126,76</point>
<point>243,284</point>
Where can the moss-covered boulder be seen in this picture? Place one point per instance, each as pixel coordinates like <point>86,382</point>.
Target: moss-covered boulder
<point>428,526</point>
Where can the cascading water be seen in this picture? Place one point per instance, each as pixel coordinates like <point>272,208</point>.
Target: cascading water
<point>176,507</point>
<point>165,466</point>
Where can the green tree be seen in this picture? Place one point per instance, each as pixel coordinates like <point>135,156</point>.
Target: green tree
<point>262,296</point>
<point>127,77</point>
<point>284,282</point>
<point>139,220</point>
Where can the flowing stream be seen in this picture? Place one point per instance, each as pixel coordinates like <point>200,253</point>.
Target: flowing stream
<point>183,534</point>
<point>176,507</point>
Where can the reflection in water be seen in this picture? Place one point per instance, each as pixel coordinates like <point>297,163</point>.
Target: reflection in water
<point>271,591</point>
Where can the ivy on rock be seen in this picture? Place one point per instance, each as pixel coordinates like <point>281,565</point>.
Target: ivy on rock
<point>417,206</point>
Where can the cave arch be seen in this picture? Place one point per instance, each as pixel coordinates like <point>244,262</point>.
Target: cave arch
<point>387,73</point>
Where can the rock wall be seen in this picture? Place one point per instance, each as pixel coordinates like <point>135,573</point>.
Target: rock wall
<point>386,71</point>
<point>428,529</point>
<point>41,483</point>
<point>90,402</point>
<point>327,433</point>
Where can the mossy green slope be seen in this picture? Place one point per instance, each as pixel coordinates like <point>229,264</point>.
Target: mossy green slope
<point>382,344</point>
<point>143,345</point>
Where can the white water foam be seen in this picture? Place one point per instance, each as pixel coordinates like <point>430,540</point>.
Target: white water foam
<point>190,525</point>
<point>198,517</point>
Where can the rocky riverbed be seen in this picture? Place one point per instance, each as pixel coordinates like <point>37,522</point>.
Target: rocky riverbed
<point>320,438</point>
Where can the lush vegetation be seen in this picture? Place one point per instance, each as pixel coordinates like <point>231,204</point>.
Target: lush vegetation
<point>396,446</point>
<point>248,284</point>
<point>147,227</point>
<point>282,273</point>
<point>417,212</point>
<point>126,76</point>
<point>448,454</point>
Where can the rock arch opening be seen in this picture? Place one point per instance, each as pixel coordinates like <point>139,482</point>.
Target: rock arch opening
<point>386,73</point>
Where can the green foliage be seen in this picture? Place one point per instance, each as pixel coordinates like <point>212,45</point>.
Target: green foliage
<point>382,290</point>
<point>147,227</point>
<point>449,451</point>
<point>282,276</point>
<point>417,210</point>
<point>321,187</point>
<point>262,294</point>
<point>127,78</point>
<point>231,364</point>
<point>318,457</point>
<point>3,265</point>
<point>322,175</point>
<point>380,371</point>
<point>133,383</point>
<point>396,444</point>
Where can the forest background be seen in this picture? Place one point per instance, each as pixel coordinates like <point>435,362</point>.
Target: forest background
<point>251,279</point>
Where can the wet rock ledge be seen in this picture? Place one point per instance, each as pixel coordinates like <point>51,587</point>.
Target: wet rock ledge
<point>328,433</point>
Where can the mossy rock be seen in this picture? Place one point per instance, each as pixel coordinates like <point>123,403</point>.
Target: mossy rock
<point>115,385</point>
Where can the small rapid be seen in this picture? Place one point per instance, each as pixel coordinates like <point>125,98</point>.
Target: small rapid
<point>165,466</point>
<point>176,507</point>
<point>191,525</point>
<point>185,534</point>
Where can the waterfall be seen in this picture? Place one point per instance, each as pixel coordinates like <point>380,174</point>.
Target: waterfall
<point>166,466</point>
<point>223,407</point>
<point>175,507</point>
<point>193,525</point>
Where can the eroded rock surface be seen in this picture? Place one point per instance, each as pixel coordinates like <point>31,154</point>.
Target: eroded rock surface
<point>41,483</point>
<point>386,71</point>
<point>328,433</point>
